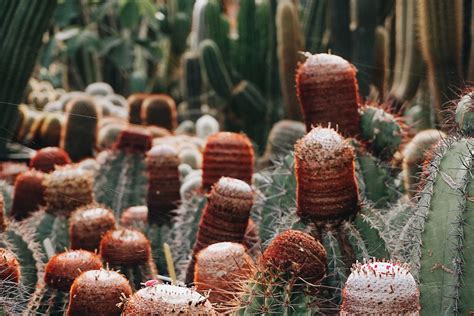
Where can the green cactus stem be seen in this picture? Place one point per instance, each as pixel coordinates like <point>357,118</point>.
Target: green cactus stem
<point>192,80</point>
<point>464,116</point>
<point>217,74</point>
<point>315,25</point>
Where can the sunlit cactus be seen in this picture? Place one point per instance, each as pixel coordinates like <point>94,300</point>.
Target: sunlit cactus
<point>380,288</point>
<point>227,155</point>
<point>47,158</point>
<point>28,194</point>
<point>159,110</point>
<point>328,93</point>
<point>9,266</point>
<point>97,292</point>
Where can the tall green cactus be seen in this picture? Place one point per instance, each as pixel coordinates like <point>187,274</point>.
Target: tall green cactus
<point>192,80</point>
<point>22,24</point>
<point>245,61</point>
<point>315,24</point>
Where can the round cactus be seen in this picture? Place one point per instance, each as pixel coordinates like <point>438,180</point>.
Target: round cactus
<point>206,125</point>
<point>108,134</point>
<point>9,266</point>
<point>88,224</point>
<point>134,139</point>
<point>63,268</point>
<point>325,175</point>
<point>328,93</point>
<point>134,215</point>
<point>99,89</point>
<point>464,114</point>
<point>68,188</point>
<point>134,107</point>
<point>380,288</point>
<point>219,267</point>
<point>28,194</point>
<point>159,110</point>
<point>97,292</point>
<point>227,155</point>
<point>125,247</point>
<point>47,158</point>
<point>163,183</point>
<point>191,157</point>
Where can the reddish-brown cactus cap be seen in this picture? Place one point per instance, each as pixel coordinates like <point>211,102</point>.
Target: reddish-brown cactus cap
<point>29,194</point>
<point>125,247</point>
<point>159,110</point>
<point>134,215</point>
<point>87,226</point>
<point>134,107</point>
<point>46,158</point>
<point>135,139</point>
<point>9,266</point>
<point>325,175</point>
<point>297,253</point>
<point>227,155</point>
<point>63,268</point>
<point>97,292</point>
<point>327,90</point>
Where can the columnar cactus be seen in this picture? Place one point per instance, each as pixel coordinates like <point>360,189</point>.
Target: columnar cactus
<point>163,183</point>
<point>285,280</point>
<point>225,217</point>
<point>46,158</point>
<point>192,80</point>
<point>50,132</point>
<point>380,288</point>
<point>219,268</point>
<point>28,194</point>
<point>135,107</point>
<point>165,299</point>
<point>88,224</point>
<point>159,110</point>
<point>328,93</point>
<point>79,134</point>
<point>227,155</point>
<point>97,292</point>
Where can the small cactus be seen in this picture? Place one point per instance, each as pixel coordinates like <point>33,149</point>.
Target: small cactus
<point>134,215</point>
<point>227,155</point>
<point>206,125</point>
<point>464,116</point>
<point>166,299</point>
<point>135,107</point>
<point>47,158</point>
<point>50,132</point>
<point>63,268</point>
<point>219,267</point>
<point>9,266</point>
<point>328,93</point>
<point>380,288</point>
<point>159,110</point>
<point>133,139</point>
<point>99,89</point>
<point>88,224</point>
<point>325,175</point>
<point>97,292</point>
<point>28,194</point>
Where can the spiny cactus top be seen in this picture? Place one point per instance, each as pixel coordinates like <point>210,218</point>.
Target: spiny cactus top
<point>328,93</point>
<point>97,292</point>
<point>46,158</point>
<point>165,299</point>
<point>29,193</point>
<point>68,188</point>
<point>134,139</point>
<point>125,247</point>
<point>159,110</point>
<point>9,266</point>
<point>206,125</point>
<point>63,268</point>
<point>88,224</point>
<point>219,267</point>
<point>325,174</point>
<point>380,288</point>
<point>298,253</point>
<point>134,215</point>
<point>465,114</point>
<point>227,155</point>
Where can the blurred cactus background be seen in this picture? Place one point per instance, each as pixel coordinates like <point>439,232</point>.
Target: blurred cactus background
<point>246,157</point>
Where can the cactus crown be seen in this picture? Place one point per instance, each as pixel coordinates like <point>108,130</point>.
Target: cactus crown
<point>465,114</point>
<point>379,287</point>
<point>9,266</point>
<point>134,139</point>
<point>125,247</point>
<point>159,110</point>
<point>162,155</point>
<point>46,158</point>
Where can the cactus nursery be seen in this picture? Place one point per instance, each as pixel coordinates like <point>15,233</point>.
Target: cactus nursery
<point>237,157</point>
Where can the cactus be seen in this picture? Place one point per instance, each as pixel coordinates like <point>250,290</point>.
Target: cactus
<point>29,194</point>
<point>217,74</point>
<point>159,110</point>
<point>79,134</point>
<point>97,292</point>
<point>108,135</point>
<point>163,184</point>
<point>9,266</point>
<point>244,60</point>
<point>290,43</point>
<point>219,268</point>
<point>129,250</point>
<point>314,24</point>
<point>192,80</point>
<point>464,116</point>
<point>227,154</point>
<point>414,156</point>
<point>225,217</point>
<point>380,288</point>
<point>122,178</point>
<point>134,216</point>
<point>50,132</point>
<point>99,89</point>
<point>382,130</point>
<point>289,271</point>
<point>206,125</point>
<point>441,47</point>
<point>166,299</point>
<point>21,44</point>
<point>135,107</point>
<point>47,158</point>
<point>88,224</point>
<point>328,93</point>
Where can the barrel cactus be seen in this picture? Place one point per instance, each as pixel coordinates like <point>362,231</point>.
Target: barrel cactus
<point>47,158</point>
<point>135,107</point>
<point>159,110</point>
<point>28,194</point>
